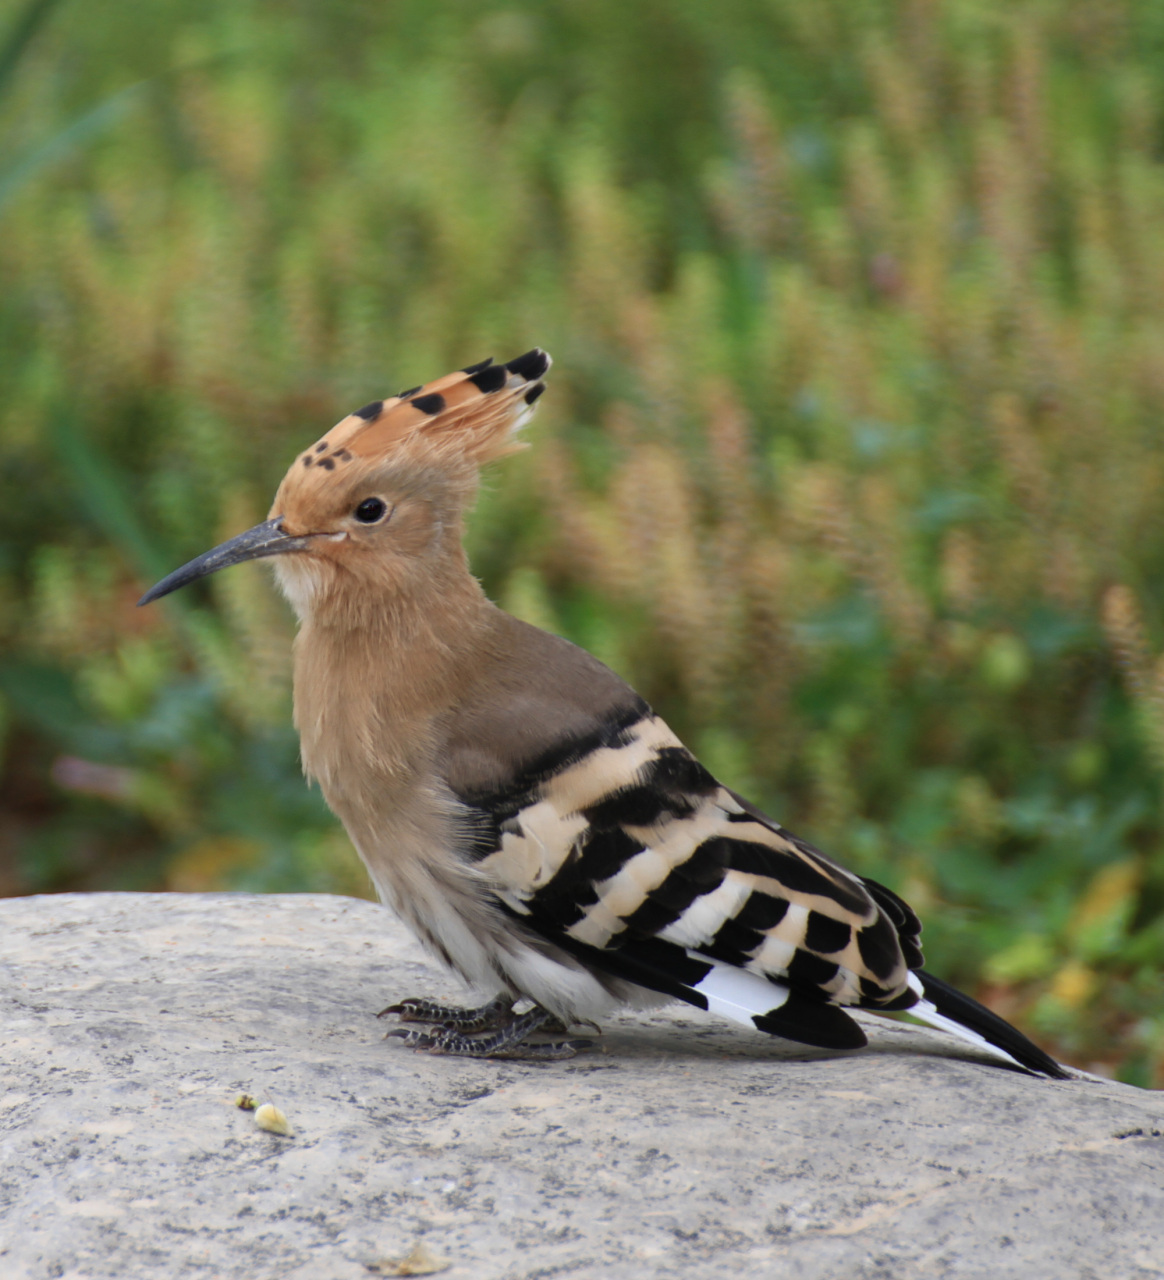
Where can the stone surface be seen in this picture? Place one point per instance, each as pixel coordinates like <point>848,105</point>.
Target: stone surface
<point>684,1148</point>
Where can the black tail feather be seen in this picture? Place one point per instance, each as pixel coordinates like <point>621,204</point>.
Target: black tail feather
<point>952,1003</point>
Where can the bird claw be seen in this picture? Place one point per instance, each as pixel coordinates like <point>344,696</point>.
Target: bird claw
<point>497,1013</point>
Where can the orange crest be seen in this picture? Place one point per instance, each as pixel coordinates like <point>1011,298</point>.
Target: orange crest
<point>473,414</point>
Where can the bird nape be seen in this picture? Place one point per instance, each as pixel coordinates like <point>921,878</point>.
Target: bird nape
<point>517,803</point>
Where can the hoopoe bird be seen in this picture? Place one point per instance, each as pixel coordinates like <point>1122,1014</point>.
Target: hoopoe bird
<point>520,806</point>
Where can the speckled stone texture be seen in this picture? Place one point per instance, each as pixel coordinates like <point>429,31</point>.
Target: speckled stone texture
<point>684,1147</point>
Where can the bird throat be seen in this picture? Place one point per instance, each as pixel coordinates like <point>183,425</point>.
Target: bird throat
<point>372,681</point>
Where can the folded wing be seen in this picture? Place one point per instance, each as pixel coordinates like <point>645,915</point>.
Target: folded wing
<point>623,850</point>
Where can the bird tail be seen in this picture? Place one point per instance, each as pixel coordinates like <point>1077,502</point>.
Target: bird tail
<point>773,1007</point>
<point>942,1006</point>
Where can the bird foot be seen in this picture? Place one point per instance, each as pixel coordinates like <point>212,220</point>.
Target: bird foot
<point>507,1040</point>
<point>497,1013</point>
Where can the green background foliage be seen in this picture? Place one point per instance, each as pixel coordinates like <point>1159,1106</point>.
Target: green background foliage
<point>852,460</point>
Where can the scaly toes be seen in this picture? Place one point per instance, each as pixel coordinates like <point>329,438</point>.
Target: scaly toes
<point>497,1013</point>
<point>415,1009</point>
<point>455,1045</point>
<point>505,1041</point>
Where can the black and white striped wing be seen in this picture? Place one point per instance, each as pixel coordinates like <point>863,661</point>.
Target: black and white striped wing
<point>624,851</point>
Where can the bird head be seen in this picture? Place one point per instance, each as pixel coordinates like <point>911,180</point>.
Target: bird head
<point>376,503</point>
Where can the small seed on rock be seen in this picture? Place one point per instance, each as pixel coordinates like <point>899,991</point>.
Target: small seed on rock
<point>273,1120</point>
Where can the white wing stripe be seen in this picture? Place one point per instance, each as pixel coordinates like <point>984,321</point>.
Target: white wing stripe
<point>736,994</point>
<point>702,919</point>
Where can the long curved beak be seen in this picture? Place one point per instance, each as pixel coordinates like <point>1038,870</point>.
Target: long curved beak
<point>266,539</point>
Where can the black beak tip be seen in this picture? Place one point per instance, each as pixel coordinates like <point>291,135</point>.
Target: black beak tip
<point>158,590</point>
<point>266,539</point>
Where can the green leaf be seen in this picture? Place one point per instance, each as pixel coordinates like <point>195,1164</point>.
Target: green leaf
<point>79,133</point>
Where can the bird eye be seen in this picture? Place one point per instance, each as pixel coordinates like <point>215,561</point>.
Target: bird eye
<point>371,510</point>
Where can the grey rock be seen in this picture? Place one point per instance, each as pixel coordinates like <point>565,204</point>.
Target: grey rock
<point>682,1147</point>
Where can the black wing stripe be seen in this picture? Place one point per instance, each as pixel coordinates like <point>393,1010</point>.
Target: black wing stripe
<point>639,806</point>
<point>670,786</point>
<point>810,1022</point>
<point>826,935</point>
<point>905,921</point>
<point>808,970</point>
<point>572,891</point>
<point>603,855</point>
<point>879,947</point>
<point>792,872</point>
<point>733,944</point>
<point>702,872</point>
<point>740,936</point>
<point>762,912</point>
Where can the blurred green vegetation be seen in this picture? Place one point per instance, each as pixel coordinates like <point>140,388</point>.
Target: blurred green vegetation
<point>853,459</point>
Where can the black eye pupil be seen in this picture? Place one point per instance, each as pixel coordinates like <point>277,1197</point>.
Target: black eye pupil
<point>370,510</point>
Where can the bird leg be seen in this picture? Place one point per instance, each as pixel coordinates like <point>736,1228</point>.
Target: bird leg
<point>508,1040</point>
